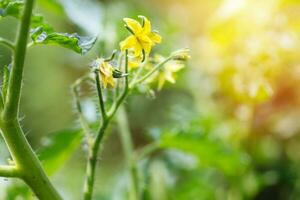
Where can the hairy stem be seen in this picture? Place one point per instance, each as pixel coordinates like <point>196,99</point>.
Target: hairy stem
<point>94,148</point>
<point>27,164</point>
<point>129,153</point>
<point>15,81</point>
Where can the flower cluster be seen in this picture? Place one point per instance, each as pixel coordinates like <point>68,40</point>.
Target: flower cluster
<point>137,48</point>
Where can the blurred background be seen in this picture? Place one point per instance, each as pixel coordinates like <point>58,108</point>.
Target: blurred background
<point>230,123</point>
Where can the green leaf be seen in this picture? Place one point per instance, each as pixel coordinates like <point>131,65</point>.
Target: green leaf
<point>210,152</point>
<point>18,190</point>
<point>77,43</point>
<point>58,148</point>
<point>38,21</point>
<point>11,8</point>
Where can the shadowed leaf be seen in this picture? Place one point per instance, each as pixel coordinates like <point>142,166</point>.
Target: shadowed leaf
<point>58,147</point>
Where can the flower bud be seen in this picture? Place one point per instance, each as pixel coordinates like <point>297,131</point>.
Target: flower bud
<point>181,55</point>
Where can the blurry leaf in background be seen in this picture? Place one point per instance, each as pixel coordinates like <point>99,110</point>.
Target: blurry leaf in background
<point>18,190</point>
<point>11,8</point>
<point>210,152</point>
<point>58,148</point>
<point>52,5</point>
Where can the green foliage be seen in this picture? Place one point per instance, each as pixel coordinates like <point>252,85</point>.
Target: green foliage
<point>43,33</point>
<point>209,151</point>
<point>11,8</point>
<point>58,148</point>
<point>18,191</point>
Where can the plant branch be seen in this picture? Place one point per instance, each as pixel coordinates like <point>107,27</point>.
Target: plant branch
<point>15,81</point>
<point>9,171</point>
<point>7,43</point>
<point>157,67</point>
<point>83,121</point>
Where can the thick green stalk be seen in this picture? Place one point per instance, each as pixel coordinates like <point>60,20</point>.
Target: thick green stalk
<point>129,153</point>
<point>27,164</point>
<point>15,82</point>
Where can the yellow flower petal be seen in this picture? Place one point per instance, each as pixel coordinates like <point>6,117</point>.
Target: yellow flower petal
<point>161,81</point>
<point>169,76</point>
<point>128,43</point>
<point>174,66</point>
<point>106,73</point>
<point>147,25</point>
<point>137,49</point>
<point>146,43</point>
<point>134,25</point>
<point>154,37</point>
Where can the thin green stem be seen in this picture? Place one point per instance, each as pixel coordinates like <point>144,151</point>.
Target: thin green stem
<point>94,148</point>
<point>9,171</point>
<point>7,43</point>
<point>15,82</point>
<point>129,153</point>
<point>157,67</point>
<point>83,121</point>
<point>100,96</point>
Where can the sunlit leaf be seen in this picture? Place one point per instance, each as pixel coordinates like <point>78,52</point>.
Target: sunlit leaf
<point>58,147</point>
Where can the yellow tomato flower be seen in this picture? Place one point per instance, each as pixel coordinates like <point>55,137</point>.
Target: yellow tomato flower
<point>142,38</point>
<point>106,73</point>
<point>134,62</point>
<point>167,72</point>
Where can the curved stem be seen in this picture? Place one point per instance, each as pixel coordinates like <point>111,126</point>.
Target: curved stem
<point>7,43</point>
<point>9,171</point>
<point>83,122</point>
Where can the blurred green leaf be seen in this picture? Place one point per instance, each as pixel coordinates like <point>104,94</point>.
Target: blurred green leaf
<point>77,43</point>
<point>52,5</point>
<point>210,152</point>
<point>11,8</point>
<point>58,148</point>
<point>18,190</point>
